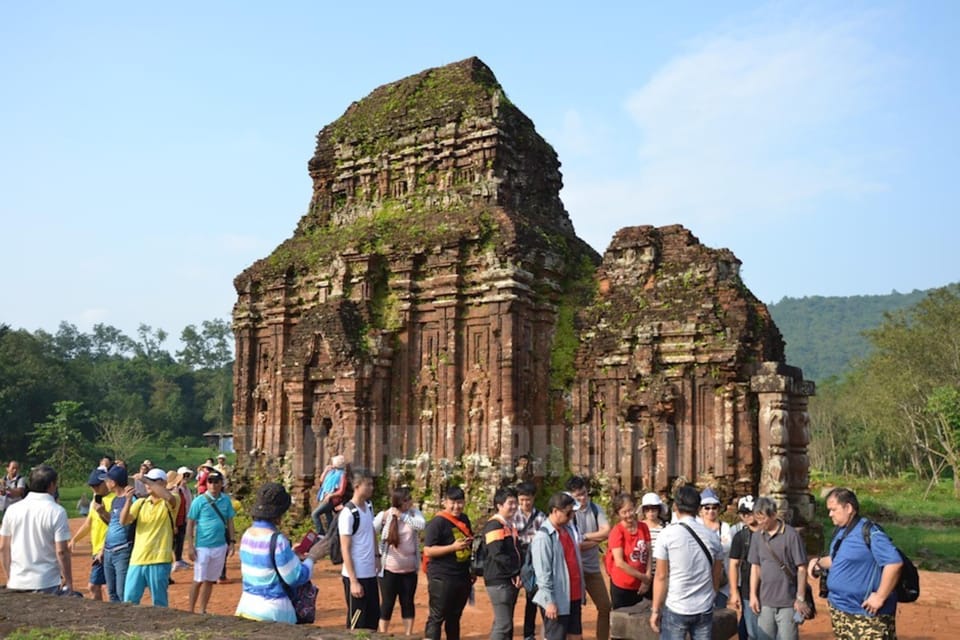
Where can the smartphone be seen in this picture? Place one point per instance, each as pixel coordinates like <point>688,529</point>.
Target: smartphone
<point>97,562</point>
<point>98,499</point>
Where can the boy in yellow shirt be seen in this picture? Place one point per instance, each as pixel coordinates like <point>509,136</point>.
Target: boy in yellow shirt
<point>153,545</point>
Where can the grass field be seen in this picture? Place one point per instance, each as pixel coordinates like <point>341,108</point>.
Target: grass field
<point>926,526</point>
<point>166,457</point>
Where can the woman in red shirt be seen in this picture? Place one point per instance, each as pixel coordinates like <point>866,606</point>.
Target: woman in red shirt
<point>628,555</point>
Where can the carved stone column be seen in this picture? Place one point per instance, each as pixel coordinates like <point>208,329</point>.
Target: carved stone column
<point>784,435</point>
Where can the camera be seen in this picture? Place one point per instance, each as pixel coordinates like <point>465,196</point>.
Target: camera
<point>98,499</point>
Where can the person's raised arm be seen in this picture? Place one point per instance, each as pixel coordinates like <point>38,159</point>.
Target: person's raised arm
<point>125,516</point>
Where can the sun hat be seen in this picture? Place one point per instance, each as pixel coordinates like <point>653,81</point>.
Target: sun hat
<point>745,504</point>
<point>222,456</point>
<point>270,502</point>
<point>707,496</point>
<point>185,470</point>
<point>97,476</point>
<point>172,479</point>
<point>157,475</point>
<point>651,500</point>
<point>214,476</point>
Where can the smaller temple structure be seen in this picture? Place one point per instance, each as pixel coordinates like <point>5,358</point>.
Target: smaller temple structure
<point>674,372</point>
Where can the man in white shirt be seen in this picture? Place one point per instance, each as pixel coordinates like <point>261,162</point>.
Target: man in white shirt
<point>688,573</point>
<point>361,559</point>
<point>34,539</point>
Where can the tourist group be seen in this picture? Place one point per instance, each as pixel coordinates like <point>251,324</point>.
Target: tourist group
<point>685,560</point>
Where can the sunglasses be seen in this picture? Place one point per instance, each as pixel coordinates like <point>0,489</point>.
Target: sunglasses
<point>710,507</point>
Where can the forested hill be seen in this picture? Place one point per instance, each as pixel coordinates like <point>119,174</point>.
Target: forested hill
<point>825,334</point>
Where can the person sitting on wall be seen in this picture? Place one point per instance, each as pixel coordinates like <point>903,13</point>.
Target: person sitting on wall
<point>333,487</point>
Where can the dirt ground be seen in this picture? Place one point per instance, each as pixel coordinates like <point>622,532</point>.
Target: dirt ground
<point>936,616</point>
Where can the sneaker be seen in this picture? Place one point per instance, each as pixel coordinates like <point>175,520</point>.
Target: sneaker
<point>181,564</point>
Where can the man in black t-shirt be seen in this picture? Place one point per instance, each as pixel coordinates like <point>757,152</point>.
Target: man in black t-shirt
<point>739,570</point>
<point>448,541</point>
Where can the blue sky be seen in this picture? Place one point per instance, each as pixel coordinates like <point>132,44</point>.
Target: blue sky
<point>149,152</point>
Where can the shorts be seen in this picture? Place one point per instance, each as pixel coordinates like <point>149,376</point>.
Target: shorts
<point>209,563</point>
<point>848,626</point>
<point>97,576</point>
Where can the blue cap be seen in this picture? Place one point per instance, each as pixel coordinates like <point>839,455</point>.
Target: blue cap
<point>708,496</point>
<point>96,477</point>
<point>118,474</point>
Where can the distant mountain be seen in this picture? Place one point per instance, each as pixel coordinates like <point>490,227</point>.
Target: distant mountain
<point>824,335</point>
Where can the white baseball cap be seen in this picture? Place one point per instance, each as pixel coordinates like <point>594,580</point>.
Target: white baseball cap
<point>156,474</point>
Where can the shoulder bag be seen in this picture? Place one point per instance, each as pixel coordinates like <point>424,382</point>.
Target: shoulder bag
<point>792,576</point>
<point>304,597</point>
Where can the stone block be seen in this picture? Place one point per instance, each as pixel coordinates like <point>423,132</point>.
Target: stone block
<point>633,623</point>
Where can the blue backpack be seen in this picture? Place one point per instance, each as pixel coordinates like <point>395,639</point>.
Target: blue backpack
<point>527,574</point>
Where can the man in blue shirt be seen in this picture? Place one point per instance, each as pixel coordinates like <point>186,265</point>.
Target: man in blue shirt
<point>210,536</point>
<point>862,579</point>
<point>118,544</point>
<point>332,493</point>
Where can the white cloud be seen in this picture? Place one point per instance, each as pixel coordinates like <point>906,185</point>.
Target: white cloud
<point>751,124</point>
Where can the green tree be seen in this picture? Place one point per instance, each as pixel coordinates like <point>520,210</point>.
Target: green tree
<point>59,441</point>
<point>31,380</point>
<point>122,438</point>
<point>209,348</point>
<point>209,353</point>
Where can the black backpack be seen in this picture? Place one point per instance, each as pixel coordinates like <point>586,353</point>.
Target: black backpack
<point>908,585</point>
<point>336,551</point>
<point>478,556</point>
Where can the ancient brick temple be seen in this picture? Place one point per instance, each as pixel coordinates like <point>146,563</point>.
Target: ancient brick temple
<point>435,306</point>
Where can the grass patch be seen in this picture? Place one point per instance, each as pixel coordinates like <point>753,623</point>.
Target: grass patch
<point>168,457</point>
<point>925,525</point>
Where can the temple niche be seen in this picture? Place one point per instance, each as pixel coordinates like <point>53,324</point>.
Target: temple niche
<point>434,307</point>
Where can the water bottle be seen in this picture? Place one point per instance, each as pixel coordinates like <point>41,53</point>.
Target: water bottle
<point>798,617</point>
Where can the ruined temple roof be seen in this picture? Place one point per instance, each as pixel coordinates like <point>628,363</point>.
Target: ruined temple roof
<point>661,281</point>
<point>432,98</point>
<point>430,161</point>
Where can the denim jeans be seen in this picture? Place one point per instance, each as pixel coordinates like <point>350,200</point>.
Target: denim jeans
<point>503,599</point>
<point>749,629</point>
<point>325,508</point>
<point>115,565</point>
<point>676,626</point>
<point>776,623</point>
